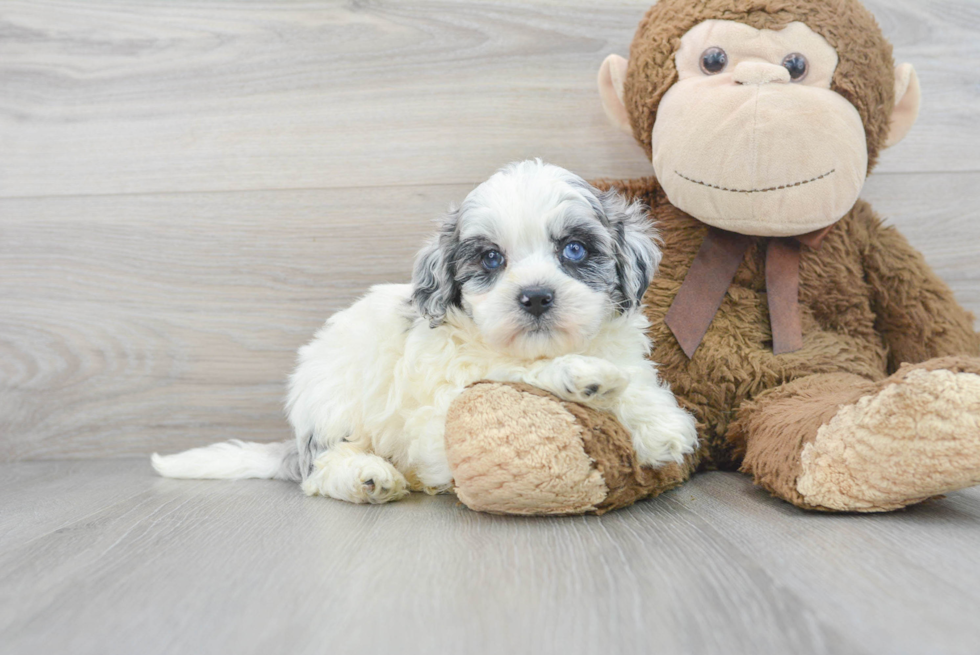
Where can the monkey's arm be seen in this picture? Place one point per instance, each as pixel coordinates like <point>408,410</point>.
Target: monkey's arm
<point>916,312</point>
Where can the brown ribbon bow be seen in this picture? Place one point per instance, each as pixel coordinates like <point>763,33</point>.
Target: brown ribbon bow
<point>712,273</point>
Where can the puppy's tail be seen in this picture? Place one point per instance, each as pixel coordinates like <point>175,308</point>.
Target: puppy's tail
<point>232,460</point>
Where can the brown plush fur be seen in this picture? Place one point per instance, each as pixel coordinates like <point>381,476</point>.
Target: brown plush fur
<point>864,75</point>
<point>834,425</point>
<point>869,303</point>
<point>783,420</point>
<point>610,447</point>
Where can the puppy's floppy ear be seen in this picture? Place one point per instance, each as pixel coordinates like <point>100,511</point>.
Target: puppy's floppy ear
<point>434,286</point>
<point>637,254</point>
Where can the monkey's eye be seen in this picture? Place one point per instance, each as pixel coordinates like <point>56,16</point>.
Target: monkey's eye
<point>492,260</point>
<point>797,66</point>
<point>574,251</point>
<point>713,61</point>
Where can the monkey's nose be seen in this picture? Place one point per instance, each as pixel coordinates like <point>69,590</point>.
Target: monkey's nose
<point>536,300</point>
<point>759,73</point>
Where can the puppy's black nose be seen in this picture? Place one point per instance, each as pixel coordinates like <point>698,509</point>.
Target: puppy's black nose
<point>536,300</point>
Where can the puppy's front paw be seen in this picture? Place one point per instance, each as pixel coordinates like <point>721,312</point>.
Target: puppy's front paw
<point>589,380</point>
<point>668,437</point>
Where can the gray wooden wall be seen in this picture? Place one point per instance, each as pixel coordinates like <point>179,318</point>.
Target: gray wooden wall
<point>188,189</point>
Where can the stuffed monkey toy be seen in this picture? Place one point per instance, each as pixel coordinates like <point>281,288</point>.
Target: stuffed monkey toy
<point>818,351</point>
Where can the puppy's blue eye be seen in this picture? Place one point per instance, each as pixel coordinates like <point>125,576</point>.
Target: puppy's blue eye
<point>492,260</point>
<point>574,251</point>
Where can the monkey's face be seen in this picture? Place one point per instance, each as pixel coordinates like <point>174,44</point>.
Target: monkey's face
<point>751,138</point>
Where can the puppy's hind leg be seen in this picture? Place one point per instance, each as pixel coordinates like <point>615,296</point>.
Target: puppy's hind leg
<point>346,472</point>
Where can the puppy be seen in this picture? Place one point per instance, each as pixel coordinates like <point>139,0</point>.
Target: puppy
<point>537,277</point>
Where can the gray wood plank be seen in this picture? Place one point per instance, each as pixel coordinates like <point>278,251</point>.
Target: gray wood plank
<point>113,97</point>
<point>137,315</point>
<point>938,213</point>
<point>919,565</point>
<point>714,567</point>
<point>42,497</point>
<point>160,322</point>
<point>220,567</point>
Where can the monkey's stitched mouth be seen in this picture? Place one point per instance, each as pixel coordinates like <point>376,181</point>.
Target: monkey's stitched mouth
<point>773,188</point>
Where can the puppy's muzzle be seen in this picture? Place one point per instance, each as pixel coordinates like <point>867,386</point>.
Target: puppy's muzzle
<point>536,300</point>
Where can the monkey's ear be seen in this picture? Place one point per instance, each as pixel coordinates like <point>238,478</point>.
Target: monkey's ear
<point>612,76</point>
<point>908,96</point>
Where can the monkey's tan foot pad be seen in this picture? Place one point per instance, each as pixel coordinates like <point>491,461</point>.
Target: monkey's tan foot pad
<point>914,439</point>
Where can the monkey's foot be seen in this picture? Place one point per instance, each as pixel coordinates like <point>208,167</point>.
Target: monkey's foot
<point>915,438</point>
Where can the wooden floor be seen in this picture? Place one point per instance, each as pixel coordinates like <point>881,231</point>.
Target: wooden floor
<point>101,557</point>
<point>188,188</point>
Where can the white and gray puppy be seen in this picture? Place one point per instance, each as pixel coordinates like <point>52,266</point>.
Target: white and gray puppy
<point>537,277</point>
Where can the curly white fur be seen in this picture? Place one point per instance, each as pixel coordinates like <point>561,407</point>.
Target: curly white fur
<point>370,393</point>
